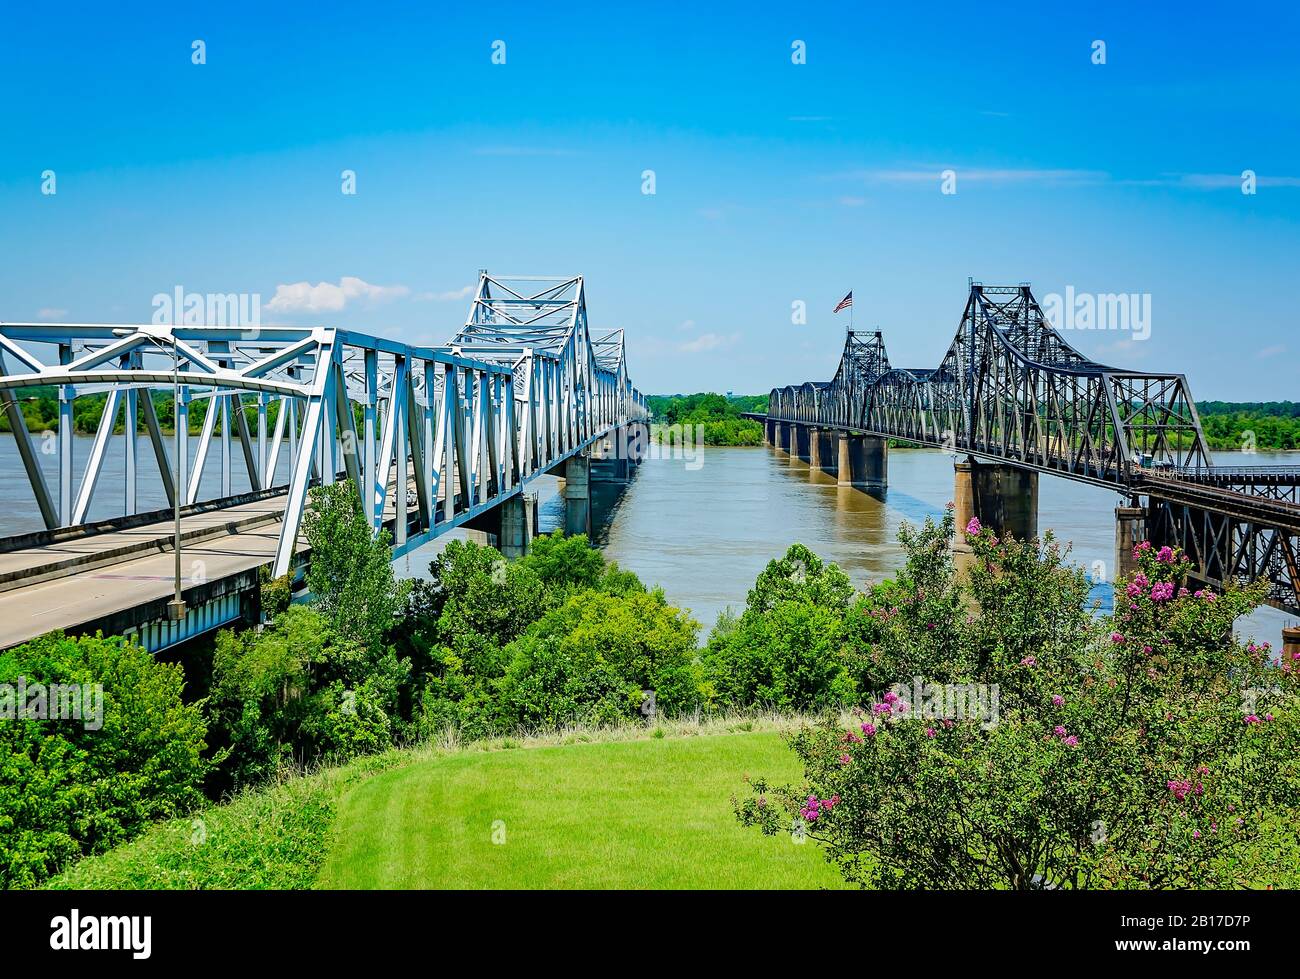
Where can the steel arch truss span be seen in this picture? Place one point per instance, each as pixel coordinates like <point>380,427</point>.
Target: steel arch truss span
<point>1010,388</point>
<point>522,387</point>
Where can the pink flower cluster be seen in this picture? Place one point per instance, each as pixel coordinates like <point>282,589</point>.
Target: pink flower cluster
<point>891,703</point>
<point>973,527</point>
<point>1140,548</point>
<point>1165,555</point>
<point>1138,585</point>
<point>1162,591</point>
<point>1066,738</point>
<point>814,807</point>
<point>1057,700</point>
<point>1029,661</point>
<point>1180,787</point>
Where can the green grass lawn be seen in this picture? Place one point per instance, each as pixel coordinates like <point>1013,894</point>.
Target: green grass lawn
<point>632,814</point>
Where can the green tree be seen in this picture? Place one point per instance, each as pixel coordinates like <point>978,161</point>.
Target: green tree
<point>350,574</point>
<point>71,788</point>
<point>565,564</point>
<point>296,691</point>
<point>786,651</point>
<point>591,658</point>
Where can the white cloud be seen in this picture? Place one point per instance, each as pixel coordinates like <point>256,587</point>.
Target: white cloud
<point>687,325</point>
<point>1273,351</point>
<point>51,313</point>
<point>853,201</point>
<point>326,297</point>
<point>708,341</point>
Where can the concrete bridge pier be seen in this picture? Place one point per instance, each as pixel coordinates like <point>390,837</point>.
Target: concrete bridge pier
<point>800,442</point>
<point>821,451</point>
<point>1130,529</point>
<point>634,443</point>
<point>781,437</point>
<point>577,495</point>
<point>1004,498</point>
<point>518,518</point>
<point>610,458</point>
<point>863,461</point>
<point>769,432</point>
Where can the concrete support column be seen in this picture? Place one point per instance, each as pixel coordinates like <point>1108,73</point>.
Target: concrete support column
<point>1130,528</point>
<point>1004,498</point>
<point>1290,644</point>
<point>769,432</point>
<point>636,444</point>
<point>516,535</point>
<point>863,462</point>
<point>577,496</point>
<point>822,454</point>
<point>609,458</point>
<point>800,441</point>
<point>781,436</point>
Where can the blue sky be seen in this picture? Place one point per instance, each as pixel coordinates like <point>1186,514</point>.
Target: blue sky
<point>775,182</point>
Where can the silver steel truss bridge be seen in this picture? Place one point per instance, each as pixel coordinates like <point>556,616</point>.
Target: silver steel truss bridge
<point>433,436</point>
<point>1010,390</point>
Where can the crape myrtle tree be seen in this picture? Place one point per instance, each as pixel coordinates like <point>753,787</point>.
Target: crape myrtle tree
<point>1145,749</point>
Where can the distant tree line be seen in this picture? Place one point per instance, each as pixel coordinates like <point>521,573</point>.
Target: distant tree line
<point>717,416</point>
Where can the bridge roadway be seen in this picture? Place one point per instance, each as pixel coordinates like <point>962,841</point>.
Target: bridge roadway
<point>96,579</point>
<point>116,578</point>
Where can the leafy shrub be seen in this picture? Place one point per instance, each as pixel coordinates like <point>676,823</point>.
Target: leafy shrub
<point>591,658</point>
<point>276,594</point>
<point>66,791</point>
<point>786,651</point>
<point>1148,750</point>
<point>460,625</point>
<point>295,691</point>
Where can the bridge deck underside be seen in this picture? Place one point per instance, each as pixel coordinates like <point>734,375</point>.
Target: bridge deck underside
<point>78,582</point>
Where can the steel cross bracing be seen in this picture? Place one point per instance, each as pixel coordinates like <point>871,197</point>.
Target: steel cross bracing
<point>1011,389</point>
<point>521,388</point>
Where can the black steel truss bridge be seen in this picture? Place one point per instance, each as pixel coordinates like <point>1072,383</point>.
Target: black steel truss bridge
<point>1011,390</point>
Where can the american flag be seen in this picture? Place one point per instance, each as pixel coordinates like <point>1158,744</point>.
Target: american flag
<point>846,302</point>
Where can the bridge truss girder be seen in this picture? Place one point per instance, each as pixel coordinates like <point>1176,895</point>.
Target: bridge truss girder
<point>467,425</point>
<point>1010,388</point>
